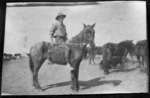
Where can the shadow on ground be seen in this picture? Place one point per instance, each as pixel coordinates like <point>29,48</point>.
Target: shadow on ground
<point>124,70</point>
<point>86,84</point>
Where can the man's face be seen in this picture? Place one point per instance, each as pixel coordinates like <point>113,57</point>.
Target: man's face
<point>61,19</point>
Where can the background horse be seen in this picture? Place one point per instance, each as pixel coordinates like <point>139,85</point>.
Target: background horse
<point>98,50</point>
<point>39,53</point>
<point>117,50</point>
<point>93,51</point>
<point>141,50</point>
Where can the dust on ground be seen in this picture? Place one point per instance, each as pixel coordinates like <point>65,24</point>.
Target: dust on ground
<point>17,79</point>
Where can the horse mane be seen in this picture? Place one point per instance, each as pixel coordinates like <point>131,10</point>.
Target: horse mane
<point>125,42</point>
<point>81,37</point>
<point>142,41</point>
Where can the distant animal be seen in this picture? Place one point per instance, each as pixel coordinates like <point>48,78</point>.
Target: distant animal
<point>112,63</point>
<point>7,57</point>
<point>13,57</point>
<point>10,56</point>
<point>39,53</point>
<point>93,51</point>
<point>4,55</point>
<point>141,50</point>
<point>98,50</point>
<point>120,50</point>
<point>17,55</point>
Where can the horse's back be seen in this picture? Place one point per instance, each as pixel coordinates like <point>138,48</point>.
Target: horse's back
<point>142,43</point>
<point>109,47</point>
<point>39,48</point>
<point>141,47</point>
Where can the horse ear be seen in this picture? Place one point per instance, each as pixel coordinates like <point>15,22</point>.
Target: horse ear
<point>84,25</point>
<point>93,25</point>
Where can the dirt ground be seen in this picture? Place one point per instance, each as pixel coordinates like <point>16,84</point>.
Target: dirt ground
<point>17,79</point>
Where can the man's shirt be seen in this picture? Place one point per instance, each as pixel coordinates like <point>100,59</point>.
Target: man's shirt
<point>58,29</point>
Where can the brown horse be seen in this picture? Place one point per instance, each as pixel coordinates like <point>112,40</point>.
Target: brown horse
<point>39,53</point>
<point>92,51</point>
<point>117,52</point>
<point>98,50</point>
<point>141,50</point>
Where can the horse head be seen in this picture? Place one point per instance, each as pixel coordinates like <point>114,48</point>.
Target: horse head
<point>88,33</point>
<point>129,45</point>
<point>85,36</point>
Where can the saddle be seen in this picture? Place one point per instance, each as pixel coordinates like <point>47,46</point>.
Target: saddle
<point>56,46</point>
<point>59,51</point>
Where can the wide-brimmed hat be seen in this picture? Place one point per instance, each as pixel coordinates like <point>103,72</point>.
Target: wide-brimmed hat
<point>60,15</point>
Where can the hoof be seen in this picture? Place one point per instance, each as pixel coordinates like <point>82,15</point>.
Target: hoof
<point>75,89</point>
<point>106,73</point>
<point>39,88</point>
<point>33,85</point>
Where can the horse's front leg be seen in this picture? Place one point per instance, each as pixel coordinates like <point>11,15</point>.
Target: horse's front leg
<point>105,66</point>
<point>143,60</point>
<point>89,59</point>
<point>138,59</point>
<point>94,60</point>
<point>123,61</point>
<point>74,78</point>
<point>133,61</point>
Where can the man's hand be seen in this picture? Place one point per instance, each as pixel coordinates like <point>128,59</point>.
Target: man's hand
<point>51,38</point>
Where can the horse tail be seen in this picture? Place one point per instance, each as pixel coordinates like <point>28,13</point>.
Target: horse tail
<point>31,63</point>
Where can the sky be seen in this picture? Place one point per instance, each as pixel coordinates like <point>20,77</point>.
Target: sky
<point>115,22</point>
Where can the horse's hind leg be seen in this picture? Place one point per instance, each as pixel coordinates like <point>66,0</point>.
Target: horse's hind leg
<point>89,59</point>
<point>138,59</point>
<point>123,61</point>
<point>93,59</point>
<point>37,65</point>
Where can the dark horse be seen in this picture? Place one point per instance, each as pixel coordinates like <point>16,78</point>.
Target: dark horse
<point>141,50</point>
<point>115,53</point>
<point>98,50</point>
<point>39,53</point>
<point>93,51</point>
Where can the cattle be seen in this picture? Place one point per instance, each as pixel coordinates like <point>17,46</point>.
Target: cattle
<point>7,57</point>
<point>17,55</point>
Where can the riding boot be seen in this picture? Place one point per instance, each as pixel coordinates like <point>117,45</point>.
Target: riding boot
<point>50,50</point>
<point>49,60</point>
<point>67,55</point>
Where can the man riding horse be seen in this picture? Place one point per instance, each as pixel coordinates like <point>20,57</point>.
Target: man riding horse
<point>58,31</point>
<point>68,53</point>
